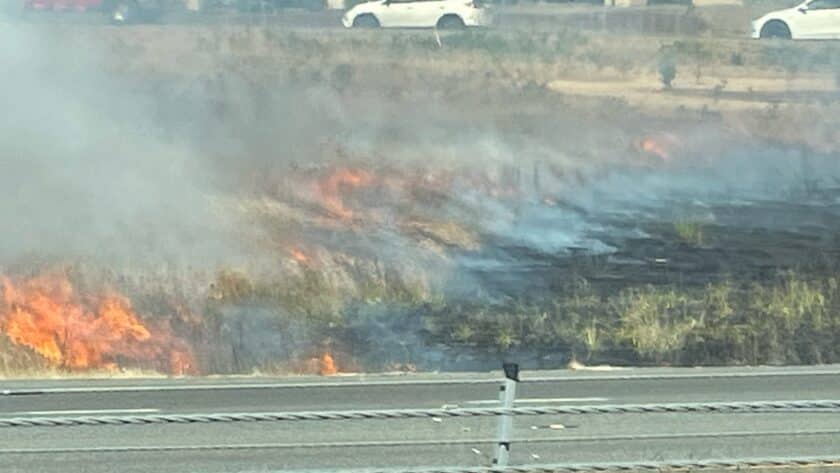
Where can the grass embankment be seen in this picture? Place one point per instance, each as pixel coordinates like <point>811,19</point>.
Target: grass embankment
<point>376,311</point>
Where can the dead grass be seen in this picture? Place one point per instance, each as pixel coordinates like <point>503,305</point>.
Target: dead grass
<point>740,79</point>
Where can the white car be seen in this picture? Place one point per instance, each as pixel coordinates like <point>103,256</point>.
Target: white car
<point>444,14</point>
<point>814,19</point>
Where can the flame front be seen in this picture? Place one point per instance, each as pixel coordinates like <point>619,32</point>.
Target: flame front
<point>45,314</point>
<point>298,255</point>
<point>331,187</point>
<point>662,145</point>
<point>326,365</point>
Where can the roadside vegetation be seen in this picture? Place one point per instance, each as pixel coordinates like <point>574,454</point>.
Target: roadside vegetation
<point>243,325</point>
<point>333,283</point>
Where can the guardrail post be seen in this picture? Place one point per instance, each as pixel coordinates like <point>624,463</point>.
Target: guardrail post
<point>507,395</point>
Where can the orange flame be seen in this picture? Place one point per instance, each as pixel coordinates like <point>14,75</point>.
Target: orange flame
<point>326,365</point>
<point>661,146</point>
<point>45,314</point>
<point>332,186</point>
<point>298,255</point>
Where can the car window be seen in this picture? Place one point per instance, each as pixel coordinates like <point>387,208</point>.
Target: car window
<point>824,5</point>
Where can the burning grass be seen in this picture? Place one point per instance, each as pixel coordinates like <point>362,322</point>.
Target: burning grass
<point>92,331</point>
<point>370,266</point>
<point>414,281</point>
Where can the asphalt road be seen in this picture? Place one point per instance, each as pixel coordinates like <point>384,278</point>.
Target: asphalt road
<point>437,442</point>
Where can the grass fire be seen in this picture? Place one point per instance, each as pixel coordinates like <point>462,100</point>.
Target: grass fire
<point>252,200</point>
<point>85,331</point>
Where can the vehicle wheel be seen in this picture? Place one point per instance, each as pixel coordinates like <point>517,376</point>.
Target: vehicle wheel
<point>450,22</point>
<point>775,29</point>
<point>122,12</point>
<point>365,21</point>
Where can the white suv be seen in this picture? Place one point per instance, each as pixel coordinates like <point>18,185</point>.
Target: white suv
<point>444,14</point>
<point>814,19</point>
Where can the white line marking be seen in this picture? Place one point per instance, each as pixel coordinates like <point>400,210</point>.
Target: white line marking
<point>83,412</point>
<point>568,377</point>
<point>556,400</point>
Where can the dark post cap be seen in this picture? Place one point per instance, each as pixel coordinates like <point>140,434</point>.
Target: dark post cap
<point>511,371</point>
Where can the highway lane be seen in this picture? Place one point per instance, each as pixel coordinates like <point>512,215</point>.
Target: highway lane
<point>264,447</point>
<point>269,446</point>
<point>213,461</point>
<point>421,391</point>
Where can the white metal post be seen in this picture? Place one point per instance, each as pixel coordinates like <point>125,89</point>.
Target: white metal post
<point>507,396</point>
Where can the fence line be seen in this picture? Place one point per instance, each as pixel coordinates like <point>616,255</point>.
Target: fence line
<point>713,407</point>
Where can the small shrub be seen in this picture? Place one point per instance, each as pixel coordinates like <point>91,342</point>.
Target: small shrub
<point>689,232</point>
<point>718,89</point>
<point>692,49</point>
<point>667,67</point>
<point>654,321</point>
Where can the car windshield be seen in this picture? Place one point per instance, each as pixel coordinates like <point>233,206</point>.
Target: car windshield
<point>406,236</point>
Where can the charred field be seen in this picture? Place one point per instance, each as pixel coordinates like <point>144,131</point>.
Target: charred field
<point>215,200</point>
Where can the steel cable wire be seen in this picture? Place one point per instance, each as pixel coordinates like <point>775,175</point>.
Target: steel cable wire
<point>666,408</point>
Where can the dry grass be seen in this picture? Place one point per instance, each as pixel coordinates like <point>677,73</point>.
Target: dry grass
<point>744,81</point>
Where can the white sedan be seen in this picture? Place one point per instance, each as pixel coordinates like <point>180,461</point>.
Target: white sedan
<point>444,14</point>
<point>814,19</point>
